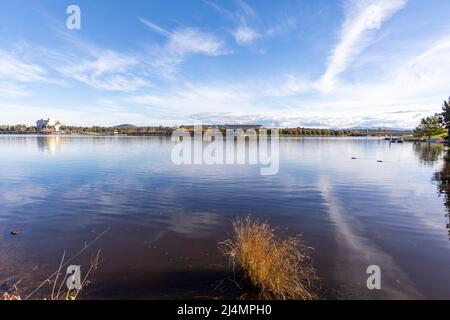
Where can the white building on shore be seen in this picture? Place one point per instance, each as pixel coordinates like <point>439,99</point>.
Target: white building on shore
<point>48,125</point>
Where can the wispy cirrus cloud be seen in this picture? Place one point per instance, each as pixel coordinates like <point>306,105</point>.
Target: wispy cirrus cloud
<point>154,27</point>
<point>246,9</point>
<point>190,41</point>
<point>243,33</point>
<point>107,70</point>
<point>363,18</point>
<point>181,43</point>
<point>19,71</point>
<point>98,68</point>
<point>248,27</point>
<point>14,68</point>
<point>225,12</point>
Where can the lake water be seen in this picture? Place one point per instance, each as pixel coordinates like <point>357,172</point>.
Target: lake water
<point>164,221</point>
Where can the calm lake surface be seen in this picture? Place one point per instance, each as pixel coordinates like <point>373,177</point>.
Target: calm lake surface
<point>165,221</point>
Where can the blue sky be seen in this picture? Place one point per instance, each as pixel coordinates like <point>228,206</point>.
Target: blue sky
<point>374,63</point>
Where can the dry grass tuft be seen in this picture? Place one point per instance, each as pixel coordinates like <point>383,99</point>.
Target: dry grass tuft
<point>275,268</point>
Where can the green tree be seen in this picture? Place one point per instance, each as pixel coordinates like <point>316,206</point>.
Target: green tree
<point>430,126</point>
<point>446,116</point>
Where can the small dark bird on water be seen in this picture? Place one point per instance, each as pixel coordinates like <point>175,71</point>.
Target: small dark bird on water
<point>353,158</point>
<point>379,160</point>
<point>15,233</point>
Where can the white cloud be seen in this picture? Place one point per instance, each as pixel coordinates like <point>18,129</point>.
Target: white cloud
<point>414,81</point>
<point>190,40</point>
<point>246,30</point>
<point>362,18</point>
<point>107,70</point>
<point>13,68</point>
<point>181,43</point>
<point>98,68</point>
<point>245,35</point>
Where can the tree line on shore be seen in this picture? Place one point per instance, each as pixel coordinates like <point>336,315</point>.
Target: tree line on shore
<point>332,132</point>
<point>164,130</point>
<point>437,125</point>
<point>21,128</point>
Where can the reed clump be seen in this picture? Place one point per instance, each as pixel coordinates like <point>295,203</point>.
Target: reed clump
<point>274,268</point>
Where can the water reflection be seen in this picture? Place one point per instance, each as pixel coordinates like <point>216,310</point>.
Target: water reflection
<point>428,152</point>
<point>49,144</point>
<point>443,178</point>
<point>166,220</point>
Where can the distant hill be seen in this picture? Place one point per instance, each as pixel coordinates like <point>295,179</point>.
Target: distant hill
<point>125,126</point>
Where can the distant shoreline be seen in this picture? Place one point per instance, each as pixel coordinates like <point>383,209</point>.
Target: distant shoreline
<point>167,131</point>
<point>168,134</point>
